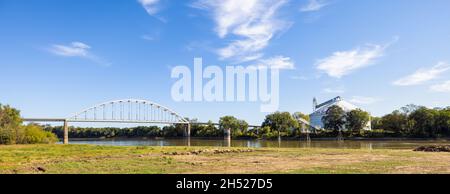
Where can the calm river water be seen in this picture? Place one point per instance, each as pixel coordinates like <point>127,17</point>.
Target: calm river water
<point>349,144</point>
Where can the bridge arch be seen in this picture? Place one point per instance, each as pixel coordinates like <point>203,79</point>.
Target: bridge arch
<point>126,111</point>
<point>129,111</point>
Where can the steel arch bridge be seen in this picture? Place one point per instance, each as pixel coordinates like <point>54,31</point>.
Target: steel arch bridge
<point>122,111</point>
<point>129,111</point>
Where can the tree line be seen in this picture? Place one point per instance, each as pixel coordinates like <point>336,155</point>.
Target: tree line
<point>415,121</point>
<point>12,130</point>
<point>409,121</point>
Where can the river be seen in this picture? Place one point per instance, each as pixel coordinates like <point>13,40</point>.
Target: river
<point>348,144</point>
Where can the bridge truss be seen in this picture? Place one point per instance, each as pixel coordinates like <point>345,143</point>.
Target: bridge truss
<point>122,111</point>
<point>129,111</point>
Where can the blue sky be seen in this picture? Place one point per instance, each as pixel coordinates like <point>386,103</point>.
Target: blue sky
<point>59,57</point>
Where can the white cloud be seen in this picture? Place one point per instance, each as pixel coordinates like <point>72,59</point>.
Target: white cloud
<point>314,5</point>
<point>364,100</point>
<point>333,90</point>
<point>423,75</point>
<point>279,62</point>
<point>148,37</point>
<point>443,87</point>
<point>251,24</point>
<point>77,49</point>
<point>151,6</point>
<point>345,62</point>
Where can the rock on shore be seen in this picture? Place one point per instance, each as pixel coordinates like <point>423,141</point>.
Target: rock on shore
<point>433,148</point>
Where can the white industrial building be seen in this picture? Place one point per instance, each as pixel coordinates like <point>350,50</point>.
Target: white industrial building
<point>320,110</point>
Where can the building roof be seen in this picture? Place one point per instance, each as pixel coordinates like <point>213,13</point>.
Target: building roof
<point>322,108</point>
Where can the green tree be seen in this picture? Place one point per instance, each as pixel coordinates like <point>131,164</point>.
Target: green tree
<point>237,127</point>
<point>375,122</point>
<point>298,115</point>
<point>243,128</point>
<point>442,122</point>
<point>334,118</point>
<point>356,120</point>
<point>34,134</point>
<point>280,121</point>
<point>424,122</point>
<point>265,132</point>
<point>209,130</point>
<point>10,125</point>
<point>396,122</point>
<point>13,132</point>
<point>408,109</point>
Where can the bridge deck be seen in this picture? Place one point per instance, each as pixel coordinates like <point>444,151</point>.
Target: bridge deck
<point>114,121</point>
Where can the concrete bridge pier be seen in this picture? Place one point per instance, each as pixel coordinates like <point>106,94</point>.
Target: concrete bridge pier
<point>189,130</point>
<point>66,132</point>
<point>188,135</point>
<point>228,137</point>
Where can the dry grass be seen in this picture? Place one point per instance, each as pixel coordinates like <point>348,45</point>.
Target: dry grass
<point>56,159</point>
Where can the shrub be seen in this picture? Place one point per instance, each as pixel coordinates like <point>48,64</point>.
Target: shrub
<point>13,132</point>
<point>33,134</point>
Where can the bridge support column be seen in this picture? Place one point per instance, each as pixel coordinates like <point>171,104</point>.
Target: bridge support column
<point>188,130</point>
<point>227,137</point>
<point>66,132</point>
<point>187,134</point>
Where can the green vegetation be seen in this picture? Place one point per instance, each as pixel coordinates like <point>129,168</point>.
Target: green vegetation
<point>283,122</point>
<point>13,132</point>
<point>300,115</point>
<point>87,159</point>
<point>357,120</point>
<point>237,127</point>
<point>417,121</point>
<point>410,121</point>
<point>334,118</point>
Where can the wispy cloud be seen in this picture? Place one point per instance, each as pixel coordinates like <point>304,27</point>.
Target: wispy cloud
<point>148,37</point>
<point>364,100</point>
<point>278,62</point>
<point>342,63</point>
<point>333,90</point>
<point>443,87</point>
<point>77,49</point>
<point>314,5</point>
<point>250,25</point>
<point>151,6</point>
<point>423,75</point>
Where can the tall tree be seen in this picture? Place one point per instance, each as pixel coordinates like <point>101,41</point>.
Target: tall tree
<point>396,122</point>
<point>280,121</point>
<point>234,125</point>
<point>297,115</point>
<point>334,118</point>
<point>356,120</point>
<point>424,121</point>
<point>442,122</point>
<point>375,122</point>
<point>408,109</point>
<point>13,132</point>
<point>10,125</point>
